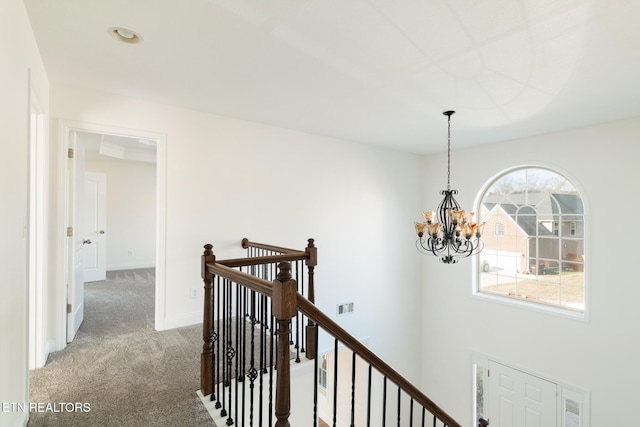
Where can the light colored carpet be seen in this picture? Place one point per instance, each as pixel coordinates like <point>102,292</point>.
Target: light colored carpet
<point>128,374</point>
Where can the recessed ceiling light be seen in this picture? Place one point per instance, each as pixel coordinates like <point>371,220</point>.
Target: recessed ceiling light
<point>124,35</point>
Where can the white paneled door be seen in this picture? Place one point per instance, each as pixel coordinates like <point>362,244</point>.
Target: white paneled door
<point>75,271</point>
<point>94,236</point>
<point>518,399</point>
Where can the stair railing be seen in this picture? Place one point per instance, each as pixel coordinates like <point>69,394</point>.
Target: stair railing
<point>304,339</point>
<point>236,350</point>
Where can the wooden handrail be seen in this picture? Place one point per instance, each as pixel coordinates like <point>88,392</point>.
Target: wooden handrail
<point>248,244</point>
<point>255,284</point>
<point>326,323</point>
<point>268,259</point>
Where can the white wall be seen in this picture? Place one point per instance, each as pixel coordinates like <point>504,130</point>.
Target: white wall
<point>18,55</point>
<point>228,179</point>
<point>131,212</point>
<point>599,355</point>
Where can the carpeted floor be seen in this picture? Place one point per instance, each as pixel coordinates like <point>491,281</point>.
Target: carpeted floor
<point>118,367</point>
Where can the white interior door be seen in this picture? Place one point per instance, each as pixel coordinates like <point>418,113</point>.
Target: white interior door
<point>518,399</point>
<point>94,238</point>
<point>75,272</point>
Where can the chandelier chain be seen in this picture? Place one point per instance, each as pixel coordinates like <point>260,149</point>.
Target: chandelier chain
<point>449,153</point>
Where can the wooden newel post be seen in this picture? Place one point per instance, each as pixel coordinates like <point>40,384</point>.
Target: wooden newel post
<point>311,329</point>
<point>206,358</point>
<point>283,307</point>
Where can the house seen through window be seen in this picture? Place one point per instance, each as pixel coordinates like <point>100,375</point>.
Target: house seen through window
<point>536,252</point>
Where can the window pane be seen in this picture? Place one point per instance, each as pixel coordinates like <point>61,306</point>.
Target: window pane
<point>536,250</point>
<point>479,391</point>
<point>573,250</point>
<point>571,413</point>
<point>548,248</point>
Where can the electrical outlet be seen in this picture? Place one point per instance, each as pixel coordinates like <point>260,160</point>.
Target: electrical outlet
<point>193,293</point>
<point>130,253</point>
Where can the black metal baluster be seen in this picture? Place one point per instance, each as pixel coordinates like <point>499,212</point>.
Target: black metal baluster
<point>297,346</point>
<point>271,368</point>
<point>230,352</point>
<point>253,373</point>
<point>300,266</point>
<point>214,337</point>
<point>411,413</point>
<point>353,389</point>
<point>368,396</point>
<point>399,390</point>
<point>216,364</point>
<point>243,359</point>
<point>384,402</point>
<point>265,332</point>
<point>223,411</point>
<point>238,379</point>
<point>262,367</point>
<point>315,387</point>
<point>335,382</point>
<point>214,322</point>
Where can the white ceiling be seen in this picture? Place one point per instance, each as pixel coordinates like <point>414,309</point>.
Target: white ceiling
<point>373,71</point>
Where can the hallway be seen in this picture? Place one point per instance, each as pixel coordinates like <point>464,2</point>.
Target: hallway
<point>118,370</point>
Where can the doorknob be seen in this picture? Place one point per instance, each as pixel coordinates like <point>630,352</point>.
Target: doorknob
<point>101,231</point>
<point>86,242</point>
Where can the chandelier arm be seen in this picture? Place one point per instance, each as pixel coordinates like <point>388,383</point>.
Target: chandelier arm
<point>472,246</point>
<point>436,245</point>
<point>431,245</point>
<point>468,250</point>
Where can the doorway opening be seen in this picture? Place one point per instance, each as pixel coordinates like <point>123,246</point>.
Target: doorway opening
<point>133,164</point>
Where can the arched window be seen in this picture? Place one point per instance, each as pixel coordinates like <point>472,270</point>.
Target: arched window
<point>537,253</point>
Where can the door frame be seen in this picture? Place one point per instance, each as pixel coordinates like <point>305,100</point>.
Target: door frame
<point>566,392</point>
<point>64,131</point>
<point>37,224</point>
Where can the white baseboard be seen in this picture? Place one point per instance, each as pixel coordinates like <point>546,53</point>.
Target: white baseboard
<point>49,346</point>
<point>181,320</point>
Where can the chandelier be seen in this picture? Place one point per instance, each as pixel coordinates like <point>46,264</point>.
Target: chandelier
<point>449,232</point>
